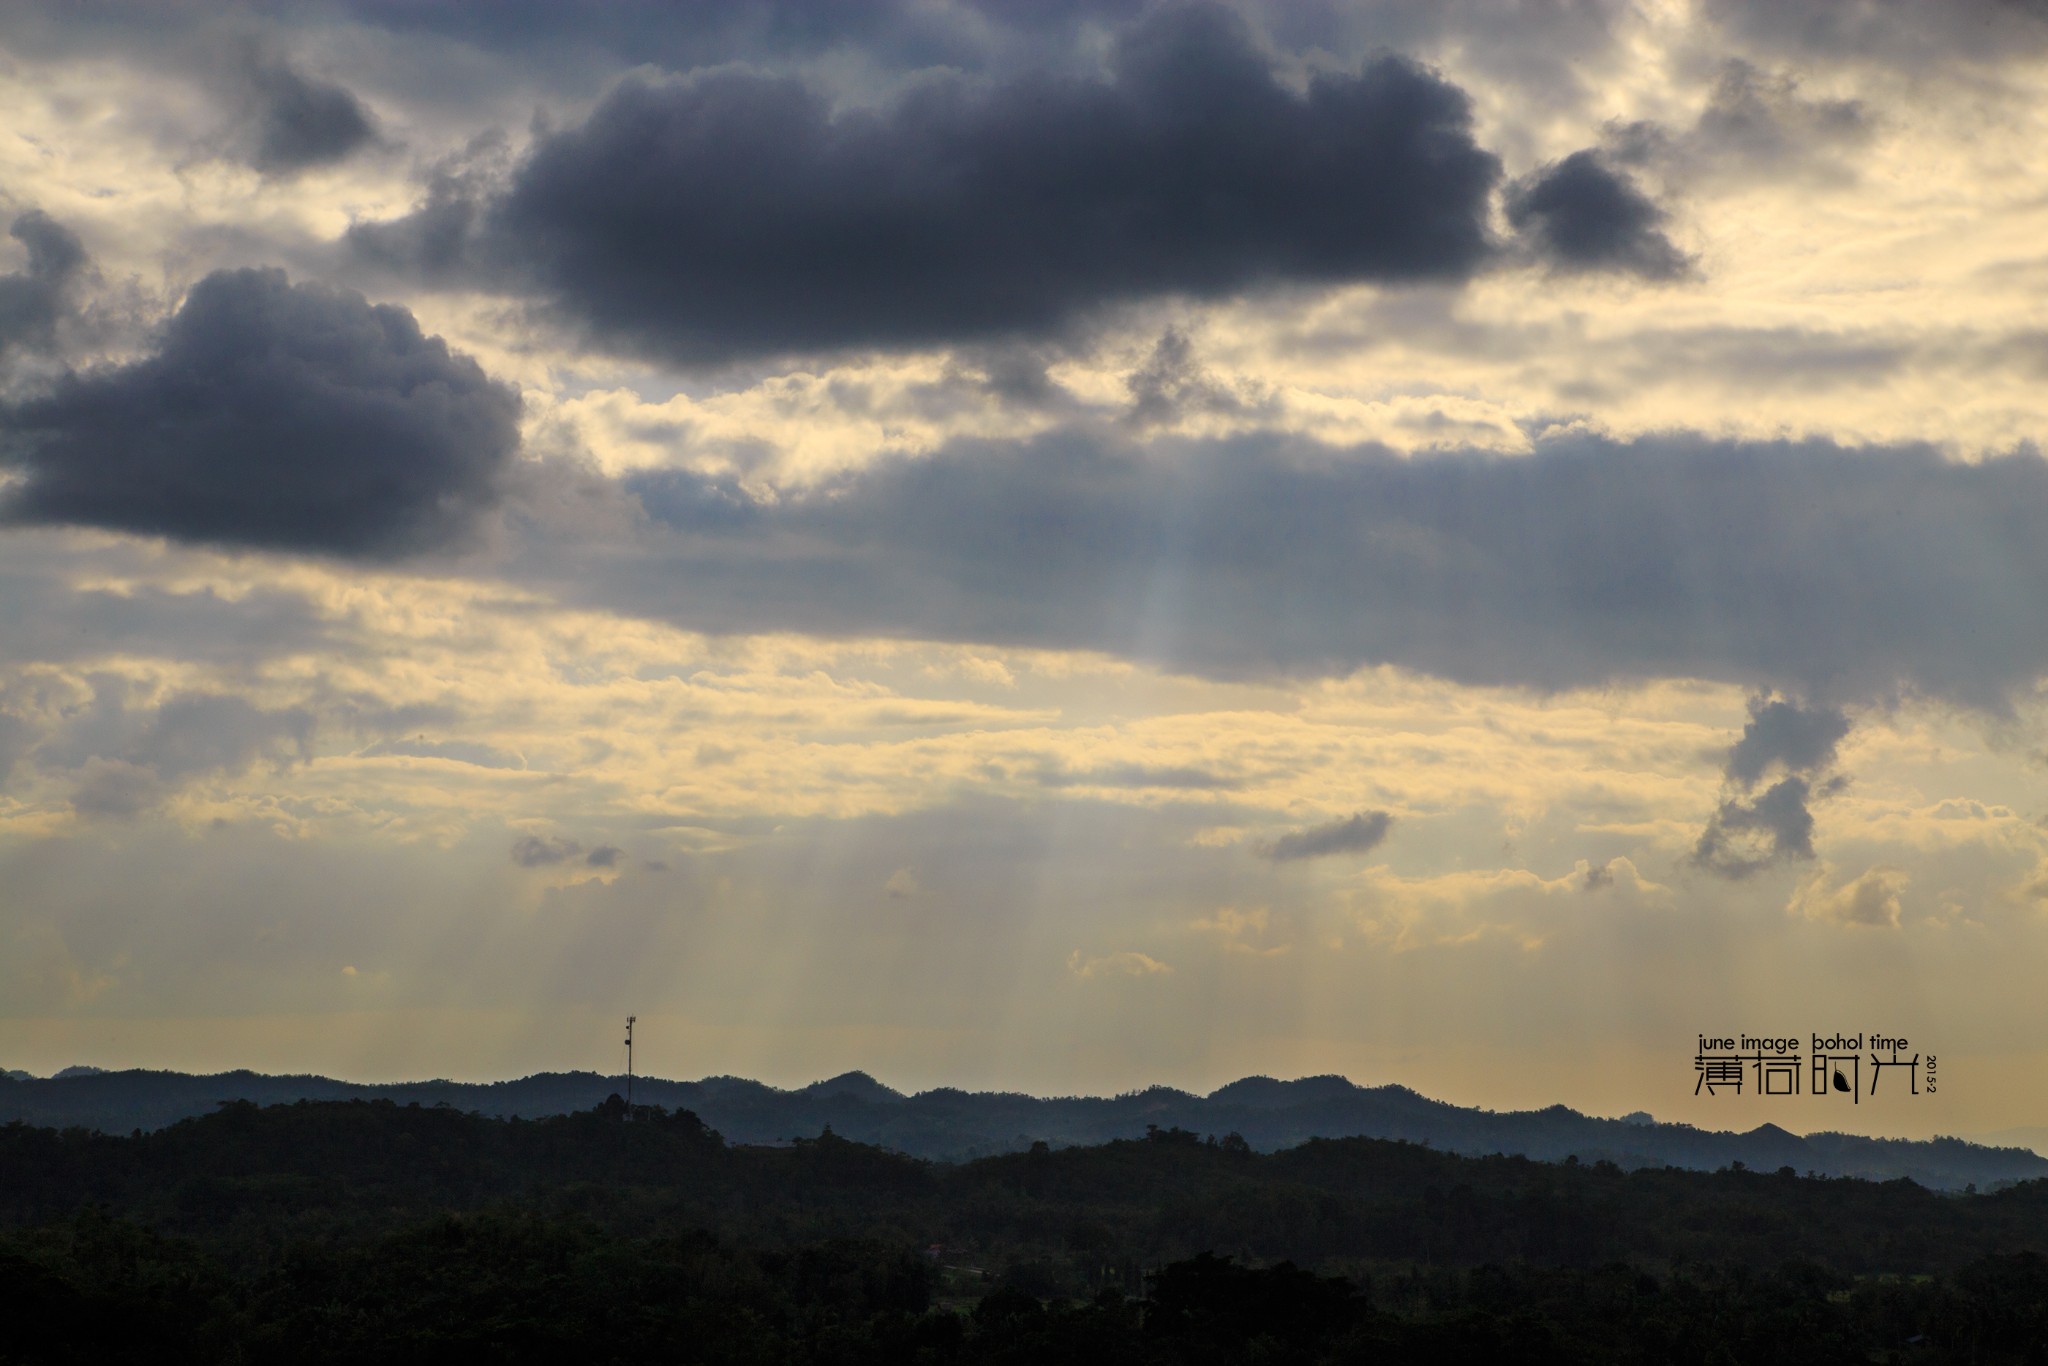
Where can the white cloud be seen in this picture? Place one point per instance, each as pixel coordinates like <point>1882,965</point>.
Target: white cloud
<point>1128,963</point>
<point>1870,899</point>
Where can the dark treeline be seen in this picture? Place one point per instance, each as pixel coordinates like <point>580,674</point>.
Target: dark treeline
<point>360,1231</point>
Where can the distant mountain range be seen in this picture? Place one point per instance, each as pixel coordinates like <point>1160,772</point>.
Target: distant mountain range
<point>952,1125</point>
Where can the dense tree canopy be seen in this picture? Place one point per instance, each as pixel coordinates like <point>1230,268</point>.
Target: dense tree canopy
<point>369,1231</point>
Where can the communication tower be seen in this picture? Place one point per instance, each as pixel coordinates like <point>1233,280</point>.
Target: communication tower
<point>629,1062</point>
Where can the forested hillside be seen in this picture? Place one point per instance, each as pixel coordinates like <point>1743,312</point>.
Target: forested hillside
<point>375,1231</point>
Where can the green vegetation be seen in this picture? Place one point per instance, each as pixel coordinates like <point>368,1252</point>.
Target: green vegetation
<point>367,1231</point>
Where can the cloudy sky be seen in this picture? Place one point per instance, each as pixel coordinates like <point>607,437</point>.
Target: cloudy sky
<point>1055,546</point>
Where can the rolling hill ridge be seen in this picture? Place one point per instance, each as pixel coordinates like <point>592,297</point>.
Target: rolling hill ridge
<point>954,1125</point>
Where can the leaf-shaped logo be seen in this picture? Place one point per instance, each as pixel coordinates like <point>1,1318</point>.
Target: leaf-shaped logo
<point>1841,1082</point>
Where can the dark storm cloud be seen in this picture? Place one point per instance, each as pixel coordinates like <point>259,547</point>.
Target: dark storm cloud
<point>262,107</point>
<point>1542,47</point>
<point>1582,214</point>
<point>1359,833</point>
<point>795,23</point>
<point>1746,835</point>
<point>1780,732</point>
<point>292,122</point>
<point>1831,573</point>
<point>33,300</point>
<point>735,213</point>
<point>535,851</point>
<point>441,69</point>
<point>1545,47</point>
<point>272,415</point>
<point>439,64</point>
<point>433,242</point>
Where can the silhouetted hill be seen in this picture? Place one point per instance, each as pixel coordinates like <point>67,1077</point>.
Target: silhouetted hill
<point>246,1177</point>
<point>856,1085</point>
<point>953,1125</point>
<point>358,1231</point>
<point>1266,1093</point>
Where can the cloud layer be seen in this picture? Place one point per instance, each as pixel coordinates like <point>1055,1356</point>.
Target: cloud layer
<point>1826,571</point>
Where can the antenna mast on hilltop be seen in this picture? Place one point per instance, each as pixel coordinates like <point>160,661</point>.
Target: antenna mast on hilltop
<point>629,1062</point>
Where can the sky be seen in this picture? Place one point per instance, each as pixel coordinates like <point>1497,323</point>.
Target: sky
<point>1053,547</point>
